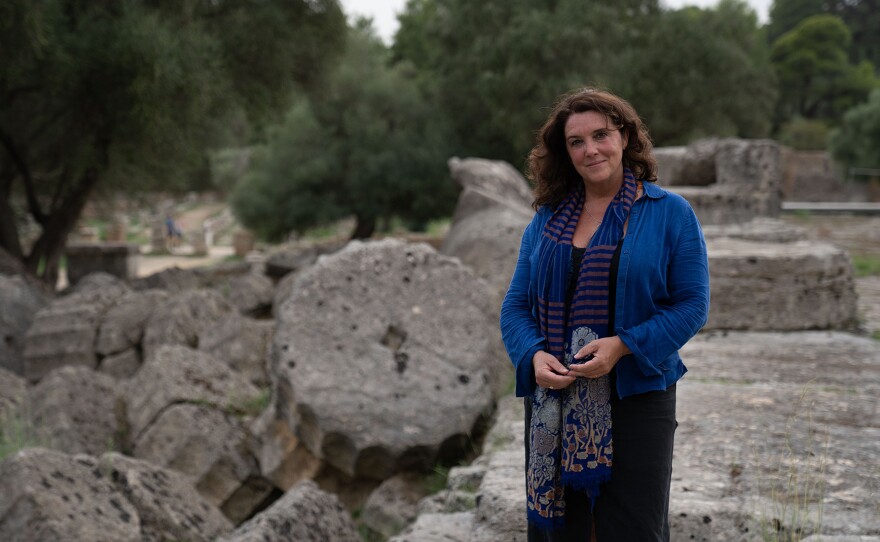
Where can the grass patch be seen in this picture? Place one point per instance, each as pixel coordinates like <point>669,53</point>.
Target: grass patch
<point>866,265</point>
<point>369,535</point>
<point>250,406</point>
<point>17,433</point>
<point>365,533</point>
<point>876,335</point>
<point>436,481</point>
<point>438,227</point>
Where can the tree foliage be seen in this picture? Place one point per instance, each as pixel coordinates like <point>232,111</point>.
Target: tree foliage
<point>700,72</point>
<point>817,80</point>
<point>862,17</point>
<point>786,14</point>
<point>855,142</point>
<point>130,94</point>
<point>368,146</point>
<point>497,65</point>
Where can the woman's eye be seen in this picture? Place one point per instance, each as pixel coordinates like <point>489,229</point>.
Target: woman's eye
<point>575,142</point>
<point>601,135</point>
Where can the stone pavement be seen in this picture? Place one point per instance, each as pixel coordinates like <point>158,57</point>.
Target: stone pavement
<point>779,433</point>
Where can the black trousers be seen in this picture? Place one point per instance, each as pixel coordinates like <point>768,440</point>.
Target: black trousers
<point>634,505</point>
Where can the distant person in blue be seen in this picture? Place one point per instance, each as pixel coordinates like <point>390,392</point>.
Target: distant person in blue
<point>172,231</point>
<point>612,279</point>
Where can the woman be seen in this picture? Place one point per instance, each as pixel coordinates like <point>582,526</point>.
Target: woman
<point>612,279</point>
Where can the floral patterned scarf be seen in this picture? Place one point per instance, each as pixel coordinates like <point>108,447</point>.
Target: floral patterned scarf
<point>570,433</point>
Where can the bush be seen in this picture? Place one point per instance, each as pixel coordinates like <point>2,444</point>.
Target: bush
<point>804,134</point>
<point>855,143</point>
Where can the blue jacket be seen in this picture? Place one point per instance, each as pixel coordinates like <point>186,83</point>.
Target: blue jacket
<point>662,294</point>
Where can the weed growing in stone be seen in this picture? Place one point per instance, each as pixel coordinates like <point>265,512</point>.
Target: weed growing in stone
<point>436,481</point>
<point>250,406</point>
<point>795,487</point>
<point>17,432</point>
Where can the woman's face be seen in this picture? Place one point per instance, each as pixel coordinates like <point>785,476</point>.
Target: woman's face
<point>595,148</point>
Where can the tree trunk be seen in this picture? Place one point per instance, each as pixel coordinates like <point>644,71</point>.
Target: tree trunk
<point>50,245</point>
<point>364,228</point>
<point>9,239</point>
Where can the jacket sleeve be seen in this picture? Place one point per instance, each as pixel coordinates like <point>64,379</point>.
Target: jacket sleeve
<point>519,330</point>
<point>686,310</point>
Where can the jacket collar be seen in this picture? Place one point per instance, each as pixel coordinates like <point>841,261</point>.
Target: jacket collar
<point>652,190</point>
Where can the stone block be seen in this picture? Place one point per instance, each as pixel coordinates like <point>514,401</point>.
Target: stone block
<point>780,286</point>
<point>118,259</point>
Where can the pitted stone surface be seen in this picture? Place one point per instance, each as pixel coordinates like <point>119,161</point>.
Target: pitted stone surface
<point>122,365</point>
<point>183,411</point>
<point>64,332</point>
<point>729,181</point>
<point>392,506</point>
<point>202,442</point>
<point>184,318</point>
<point>251,294</point>
<point>501,499</point>
<point>19,302</point>
<point>305,514</point>
<point>500,513</point>
<point>241,343</point>
<point>382,353</point>
<point>13,393</point>
<point>168,505</point>
<point>282,458</point>
<point>54,497</point>
<point>761,229</point>
<point>455,527</point>
<point>177,374</point>
<point>868,289</point>
<point>493,209</point>
<point>98,287</point>
<point>122,326</point>
<point>493,178</point>
<point>296,256</point>
<point>75,409</point>
<point>670,163</point>
<point>700,165</point>
<point>173,279</point>
<point>758,410</point>
<point>780,286</point>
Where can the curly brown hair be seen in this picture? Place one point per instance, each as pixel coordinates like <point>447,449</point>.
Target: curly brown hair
<point>550,168</point>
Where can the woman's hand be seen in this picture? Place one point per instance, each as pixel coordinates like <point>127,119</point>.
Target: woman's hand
<point>550,372</point>
<point>606,353</point>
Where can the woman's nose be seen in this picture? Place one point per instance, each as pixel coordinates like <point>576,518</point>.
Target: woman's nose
<point>589,148</point>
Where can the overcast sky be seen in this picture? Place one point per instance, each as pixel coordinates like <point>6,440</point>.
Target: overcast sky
<point>384,12</point>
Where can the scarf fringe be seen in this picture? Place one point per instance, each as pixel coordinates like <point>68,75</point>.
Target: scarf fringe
<point>586,484</point>
<point>543,523</point>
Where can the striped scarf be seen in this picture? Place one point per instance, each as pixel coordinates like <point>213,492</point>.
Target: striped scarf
<point>570,433</point>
